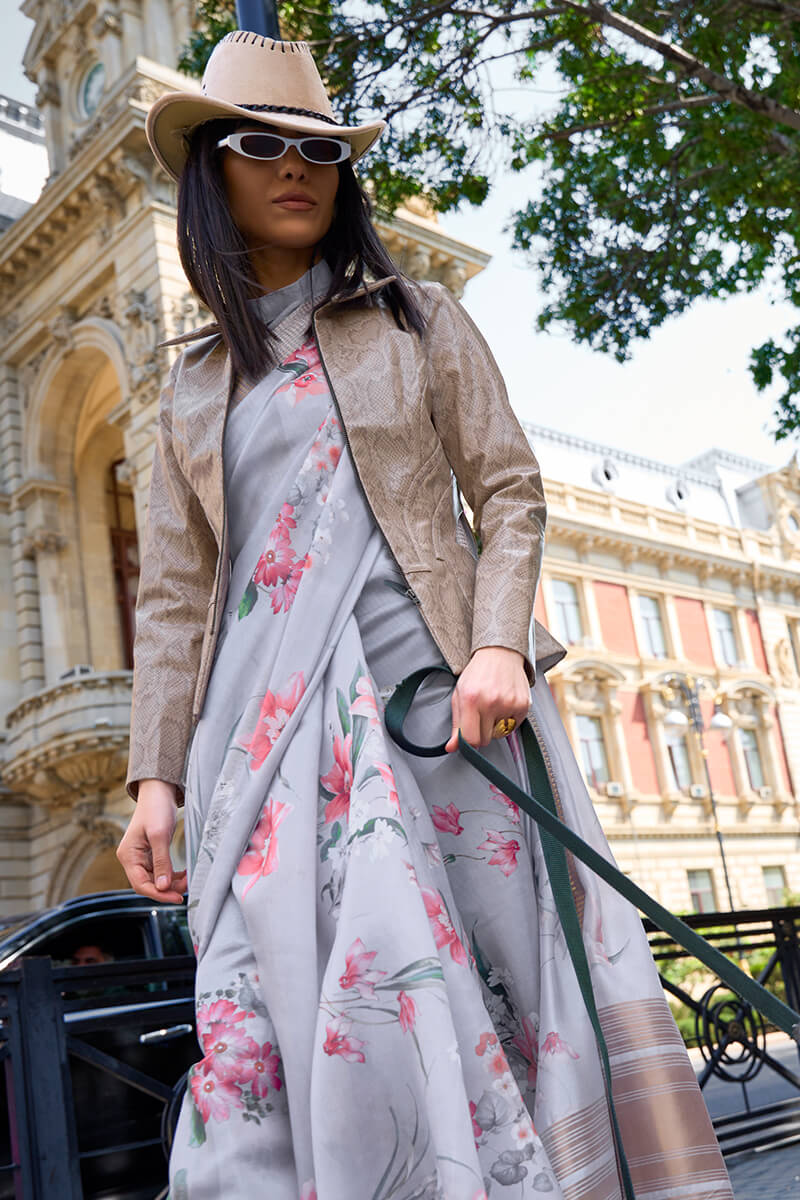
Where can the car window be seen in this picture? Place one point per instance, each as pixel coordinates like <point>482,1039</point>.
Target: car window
<point>175,937</point>
<point>90,939</point>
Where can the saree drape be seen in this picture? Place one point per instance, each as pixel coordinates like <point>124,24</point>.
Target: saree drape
<point>385,1004</point>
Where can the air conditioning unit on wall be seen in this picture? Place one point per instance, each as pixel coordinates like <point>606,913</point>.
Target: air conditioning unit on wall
<point>614,790</point>
<point>697,791</point>
<point>765,793</point>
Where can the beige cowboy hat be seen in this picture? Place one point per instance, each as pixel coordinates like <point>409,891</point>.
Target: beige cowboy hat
<point>255,78</point>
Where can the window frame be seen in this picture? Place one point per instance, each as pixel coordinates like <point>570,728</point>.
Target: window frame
<point>562,631</point>
<point>768,888</point>
<point>645,622</point>
<point>721,654</point>
<point>695,891</point>
<point>588,767</point>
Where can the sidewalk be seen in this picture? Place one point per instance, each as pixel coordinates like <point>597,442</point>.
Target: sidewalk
<point>770,1175</point>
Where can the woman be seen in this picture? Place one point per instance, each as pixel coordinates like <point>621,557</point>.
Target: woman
<point>385,1006</point>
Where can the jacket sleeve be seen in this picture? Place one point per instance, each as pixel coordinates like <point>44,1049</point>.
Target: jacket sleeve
<point>496,471</point>
<point>176,580</point>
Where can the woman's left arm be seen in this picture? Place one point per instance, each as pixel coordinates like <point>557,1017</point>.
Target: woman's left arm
<point>499,476</point>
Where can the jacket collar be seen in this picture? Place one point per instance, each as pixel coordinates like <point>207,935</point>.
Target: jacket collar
<point>212,329</point>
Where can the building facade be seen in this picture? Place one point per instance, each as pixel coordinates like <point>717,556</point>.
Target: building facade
<point>653,571</point>
<point>90,283</point>
<point>649,569</point>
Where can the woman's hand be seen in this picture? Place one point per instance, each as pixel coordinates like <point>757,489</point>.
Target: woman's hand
<point>492,685</point>
<point>144,849</point>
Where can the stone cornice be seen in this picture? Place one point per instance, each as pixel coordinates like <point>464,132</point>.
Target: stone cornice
<point>78,684</point>
<point>114,159</point>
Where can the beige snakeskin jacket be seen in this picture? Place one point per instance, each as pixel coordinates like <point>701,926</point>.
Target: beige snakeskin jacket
<point>411,409</point>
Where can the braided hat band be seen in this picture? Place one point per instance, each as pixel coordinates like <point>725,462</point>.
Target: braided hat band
<point>283,88</point>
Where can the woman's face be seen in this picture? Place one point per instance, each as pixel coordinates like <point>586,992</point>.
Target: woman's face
<point>254,188</point>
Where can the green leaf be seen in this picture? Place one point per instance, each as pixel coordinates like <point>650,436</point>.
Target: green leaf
<point>196,1126</point>
<point>369,827</point>
<point>248,600</point>
<point>344,713</point>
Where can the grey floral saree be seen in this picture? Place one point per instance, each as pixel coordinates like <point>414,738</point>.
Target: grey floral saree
<point>385,1004</point>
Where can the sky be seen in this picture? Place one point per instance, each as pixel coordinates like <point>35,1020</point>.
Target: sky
<point>685,389</point>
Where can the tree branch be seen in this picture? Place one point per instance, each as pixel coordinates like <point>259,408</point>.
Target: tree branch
<point>560,135</point>
<point>724,87</point>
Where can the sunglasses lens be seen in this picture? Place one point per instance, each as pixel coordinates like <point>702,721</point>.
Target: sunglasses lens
<point>321,150</point>
<point>262,145</point>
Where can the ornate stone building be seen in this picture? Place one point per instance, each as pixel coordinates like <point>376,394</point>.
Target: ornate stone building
<point>649,569</point>
<point>652,570</point>
<point>90,283</point>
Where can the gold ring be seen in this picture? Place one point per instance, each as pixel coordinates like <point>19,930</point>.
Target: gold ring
<point>504,727</point>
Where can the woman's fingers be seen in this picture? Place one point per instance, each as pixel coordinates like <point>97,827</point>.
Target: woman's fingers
<point>144,851</point>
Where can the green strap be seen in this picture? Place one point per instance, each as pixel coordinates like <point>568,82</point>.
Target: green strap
<point>778,1013</point>
<point>557,870</point>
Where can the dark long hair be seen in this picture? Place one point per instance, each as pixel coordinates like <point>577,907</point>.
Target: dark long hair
<point>215,256</point>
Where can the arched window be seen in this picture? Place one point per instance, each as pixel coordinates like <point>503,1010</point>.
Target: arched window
<point>124,554</point>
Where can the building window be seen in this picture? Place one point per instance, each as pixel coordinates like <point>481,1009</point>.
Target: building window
<point>726,636</point>
<point>655,644</point>
<point>774,885</point>
<point>124,556</point>
<point>701,889</point>
<point>794,642</point>
<point>678,758</point>
<point>568,612</point>
<point>752,758</point>
<point>593,750</point>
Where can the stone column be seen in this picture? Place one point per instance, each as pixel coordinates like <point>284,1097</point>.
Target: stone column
<point>45,546</point>
<point>26,583</point>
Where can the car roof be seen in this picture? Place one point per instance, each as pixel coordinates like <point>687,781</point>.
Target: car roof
<point>17,930</point>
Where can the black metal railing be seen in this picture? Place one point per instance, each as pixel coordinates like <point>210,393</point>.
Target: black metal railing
<point>732,1037</point>
<point>92,1059</point>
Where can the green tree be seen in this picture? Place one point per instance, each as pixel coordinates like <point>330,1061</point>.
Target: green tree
<point>666,165</point>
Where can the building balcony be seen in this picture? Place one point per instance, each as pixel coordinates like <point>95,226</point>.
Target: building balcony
<point>69,741</point>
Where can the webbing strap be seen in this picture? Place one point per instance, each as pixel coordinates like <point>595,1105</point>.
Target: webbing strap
<point>778,1013</point>
<point>558,872</point>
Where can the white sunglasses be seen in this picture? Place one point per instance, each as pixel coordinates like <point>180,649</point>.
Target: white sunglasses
<point>272,145</point>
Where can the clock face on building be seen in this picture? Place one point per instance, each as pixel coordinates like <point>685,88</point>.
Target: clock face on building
<point>91,88</point>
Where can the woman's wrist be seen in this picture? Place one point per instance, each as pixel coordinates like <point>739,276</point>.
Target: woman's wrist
<point>157,789</point>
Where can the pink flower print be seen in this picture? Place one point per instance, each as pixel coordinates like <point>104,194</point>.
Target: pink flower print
<point>276,708</point>
<point>442,927</point>
<point>339,1041</point>
<point>262,1072</point>
<point>484,1042</point>
<point>277,560</point>
<point>308,1191</point>
<point>365,704</point>
<point>477,1132</point>
<point>554,1044</point>
<point>511,807</point>
<point>527,1043</point>
<point>334,454</point>
<point>307,354</point>
<point>227,1050</point>
<point>447,820</point>
<point>219,1013</point>
<point>387,775</point>
<point>283,594</point>
<point>310,384</point>
<point>339,779</point>
<point>359,974</point>
<point>214,1097</point>
<point>261,857</point>
<point>505,851</point>
<point>408,1012</point>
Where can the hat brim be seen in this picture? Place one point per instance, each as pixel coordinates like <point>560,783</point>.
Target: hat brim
<point>177,113</point>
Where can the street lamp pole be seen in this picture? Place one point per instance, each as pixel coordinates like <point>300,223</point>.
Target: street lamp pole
<point>259,16</point>
<point>689,689</point>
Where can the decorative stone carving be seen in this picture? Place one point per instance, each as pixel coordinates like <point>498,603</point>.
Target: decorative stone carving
<point>43,541</point>
<point>418,263</point>
<point>48,93</point>
<point>188,313</point>
<point>60,327</point>
<point>106,22</point>
<point>141,333</point>
<point>454,277</point>
<point>784,660</point>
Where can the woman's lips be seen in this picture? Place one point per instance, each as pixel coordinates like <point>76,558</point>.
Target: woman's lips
<point>300,205</point>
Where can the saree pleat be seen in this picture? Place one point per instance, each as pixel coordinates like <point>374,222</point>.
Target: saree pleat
<point>385,1004</point>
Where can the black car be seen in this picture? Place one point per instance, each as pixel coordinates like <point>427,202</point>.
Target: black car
<point>126,1017</point>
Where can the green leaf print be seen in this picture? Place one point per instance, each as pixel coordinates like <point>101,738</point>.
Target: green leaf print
<point>369,827</point>
<point>344,711</point>
<point>359,671</point>
<point>180,1186</point>
<point>198,1129</point>
<point>336,833</point>
<point>248,600</point>
<point>360,725</point>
